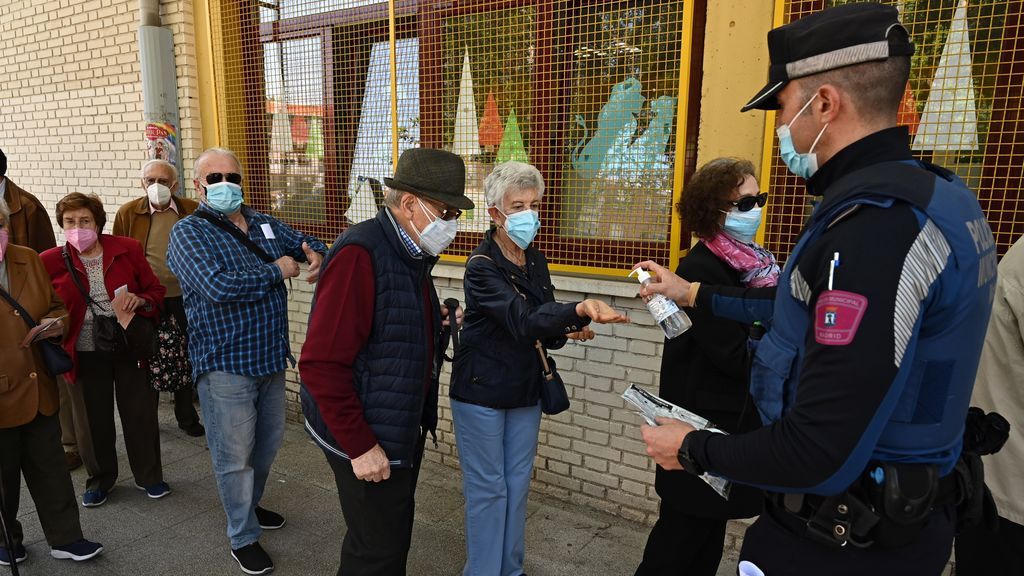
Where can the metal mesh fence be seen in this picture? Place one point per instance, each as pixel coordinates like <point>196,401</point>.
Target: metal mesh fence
<point>963,107</point>
<point>600,96</point>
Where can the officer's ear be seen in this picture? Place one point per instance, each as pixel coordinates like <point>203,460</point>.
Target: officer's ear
<point>829,103</point>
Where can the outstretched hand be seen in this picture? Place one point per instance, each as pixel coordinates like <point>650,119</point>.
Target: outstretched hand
<point>663,441</point>
<point>600,312</point>
<point>665,282</point>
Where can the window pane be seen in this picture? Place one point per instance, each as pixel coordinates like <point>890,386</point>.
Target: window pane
<point>618,171</point>
<point>372,158</point>
<point>488,96</point>
<point>293,76</point>
<point>283,9</point>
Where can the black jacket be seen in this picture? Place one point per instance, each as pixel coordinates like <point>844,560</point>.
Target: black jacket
<point>496,364</point>
<point>705,370</point>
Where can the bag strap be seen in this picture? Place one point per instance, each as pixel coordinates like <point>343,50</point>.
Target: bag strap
<point>548,375</point>
<point>237,234</point>
<point>74,278</point>
<point>21,310</point>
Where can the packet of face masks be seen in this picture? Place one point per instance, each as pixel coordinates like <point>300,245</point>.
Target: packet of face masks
<point>652,407</point>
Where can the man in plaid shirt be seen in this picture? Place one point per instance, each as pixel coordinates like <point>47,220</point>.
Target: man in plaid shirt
<point>236,304</point>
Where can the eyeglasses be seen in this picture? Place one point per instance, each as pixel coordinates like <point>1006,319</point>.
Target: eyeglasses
<point>217,177</point>
<point>446,213</point>
<point>747,203</point>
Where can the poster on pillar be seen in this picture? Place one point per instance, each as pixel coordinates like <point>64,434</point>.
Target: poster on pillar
<point>162,142</point>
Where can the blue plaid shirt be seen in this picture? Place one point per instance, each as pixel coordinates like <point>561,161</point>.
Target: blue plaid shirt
<point>236,304</point>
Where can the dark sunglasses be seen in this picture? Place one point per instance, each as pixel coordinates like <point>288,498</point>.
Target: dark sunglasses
<point>216,177</point>
<point>747,203</point>
<point>446,213</point>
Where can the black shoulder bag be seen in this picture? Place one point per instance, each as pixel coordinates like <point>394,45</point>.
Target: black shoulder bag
<point>108,336</point>
<point>55,359</point>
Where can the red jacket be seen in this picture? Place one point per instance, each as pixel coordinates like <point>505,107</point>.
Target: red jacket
<point>124,263</point>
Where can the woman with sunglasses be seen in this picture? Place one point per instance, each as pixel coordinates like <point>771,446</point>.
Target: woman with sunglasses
<point>705,369</point>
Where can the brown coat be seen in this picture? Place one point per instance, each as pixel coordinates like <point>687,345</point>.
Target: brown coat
<point>25,388</point>
<point>30,225</point>
<point>133,217</point>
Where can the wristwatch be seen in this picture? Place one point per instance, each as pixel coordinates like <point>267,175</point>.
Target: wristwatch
<point>686,460</point>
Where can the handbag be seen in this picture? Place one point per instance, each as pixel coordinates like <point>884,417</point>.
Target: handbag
<point>56,360</point>
<point>554,399</point>
<point>170,370</point>
<point>138,339</point>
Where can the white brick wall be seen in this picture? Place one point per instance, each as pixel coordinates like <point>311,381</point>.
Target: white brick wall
<point>71,98</point>
<point>592,454</point>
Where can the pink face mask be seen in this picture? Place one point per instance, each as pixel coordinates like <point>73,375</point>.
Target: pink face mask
<point>4,237</point>
<point>81,238</point>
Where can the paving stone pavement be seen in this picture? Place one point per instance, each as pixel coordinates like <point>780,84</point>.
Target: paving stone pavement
<point>183,533</point>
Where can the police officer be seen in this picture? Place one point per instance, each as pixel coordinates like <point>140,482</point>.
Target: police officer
<point>864,377</point>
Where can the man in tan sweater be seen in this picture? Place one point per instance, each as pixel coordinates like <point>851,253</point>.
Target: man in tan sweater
<point>1000,387</point>
<point>149,220</point>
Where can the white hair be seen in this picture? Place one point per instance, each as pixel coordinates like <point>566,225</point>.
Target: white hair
<point>158,162</point>
<point>511,176</point>
<point>216,151</point>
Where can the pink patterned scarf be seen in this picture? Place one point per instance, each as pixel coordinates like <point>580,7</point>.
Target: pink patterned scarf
<point>756,265</point>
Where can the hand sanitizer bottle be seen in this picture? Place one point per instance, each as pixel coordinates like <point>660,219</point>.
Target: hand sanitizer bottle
<point>667,314</point>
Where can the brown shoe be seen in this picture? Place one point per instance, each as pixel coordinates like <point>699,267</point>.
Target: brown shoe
<point>73,460</point>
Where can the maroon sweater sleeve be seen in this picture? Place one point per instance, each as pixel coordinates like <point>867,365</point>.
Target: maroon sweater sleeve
<point>338,329</point>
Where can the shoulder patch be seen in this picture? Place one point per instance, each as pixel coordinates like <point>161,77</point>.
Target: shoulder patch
<point>837,316</point>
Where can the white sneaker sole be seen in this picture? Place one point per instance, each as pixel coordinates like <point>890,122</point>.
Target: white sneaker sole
<point>62,555</point>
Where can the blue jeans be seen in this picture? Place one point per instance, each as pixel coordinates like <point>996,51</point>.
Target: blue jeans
<point>244,418</point>
<point>496,450</point>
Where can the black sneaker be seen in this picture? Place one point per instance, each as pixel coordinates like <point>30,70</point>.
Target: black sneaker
<point>269,520</point>
<point>79,550</point>
<point>194,429</point>
<point>252,559</point>
<point>7,558</point>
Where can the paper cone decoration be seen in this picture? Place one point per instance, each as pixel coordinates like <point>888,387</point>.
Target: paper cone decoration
<point>491,130</point>
<point>949,120</point>
<point>363,206</point>
<point>511,142</point>
<point>315,142</point>
<point>280,134</point>
<point>907,116</point>
<point>466,141</point>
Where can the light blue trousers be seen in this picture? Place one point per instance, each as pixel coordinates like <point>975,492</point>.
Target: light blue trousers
<point>496,451</point>
<point>244,419</point>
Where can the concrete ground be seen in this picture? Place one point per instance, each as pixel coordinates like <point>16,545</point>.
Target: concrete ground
<point>184,533</point>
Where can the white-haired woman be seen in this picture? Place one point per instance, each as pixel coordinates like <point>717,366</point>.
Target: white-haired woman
<point>496,380</point>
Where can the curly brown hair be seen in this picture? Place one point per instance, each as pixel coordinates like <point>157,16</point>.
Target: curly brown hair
<point>77,200</point>
<point>708,193</point>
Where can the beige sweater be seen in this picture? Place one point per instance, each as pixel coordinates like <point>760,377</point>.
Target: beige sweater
<point>1000,384</point>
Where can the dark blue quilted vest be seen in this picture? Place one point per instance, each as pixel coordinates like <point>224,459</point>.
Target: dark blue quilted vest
<point>391,370</point>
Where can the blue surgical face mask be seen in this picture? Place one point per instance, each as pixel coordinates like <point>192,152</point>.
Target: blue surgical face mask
<point>224,197</point>
<point>800,164</point>
<point>742,225</point>
<point>522,227</point>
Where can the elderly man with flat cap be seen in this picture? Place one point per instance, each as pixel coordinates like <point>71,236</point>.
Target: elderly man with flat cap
<point>373,352</point>
<point>875,329</point>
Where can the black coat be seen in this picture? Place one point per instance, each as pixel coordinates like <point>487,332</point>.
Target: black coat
<point>705,370</point>
<point>507,310</point>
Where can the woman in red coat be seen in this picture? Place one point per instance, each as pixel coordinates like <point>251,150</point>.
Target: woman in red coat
<point>112,271</point>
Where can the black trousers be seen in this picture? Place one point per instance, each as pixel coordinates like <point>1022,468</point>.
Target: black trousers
<point>379,517</point>
<point>137,404</point>
<point>184,399</point>
<point>981,552</point>
<point>779,552</point>
<point>682,545</point>
<point>34,449</point>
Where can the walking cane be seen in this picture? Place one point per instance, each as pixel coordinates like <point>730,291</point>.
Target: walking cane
<point>8,541</point>
<point>452,304</point>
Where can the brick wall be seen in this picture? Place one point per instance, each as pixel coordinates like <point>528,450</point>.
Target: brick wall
<point>591,454</point>
<point>71,98</point>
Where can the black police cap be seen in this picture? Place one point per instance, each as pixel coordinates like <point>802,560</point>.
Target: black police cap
<point>833,38</point>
